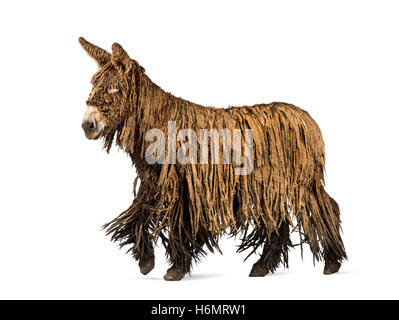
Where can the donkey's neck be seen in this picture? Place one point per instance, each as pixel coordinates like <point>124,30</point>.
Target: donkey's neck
<point>150,108</point>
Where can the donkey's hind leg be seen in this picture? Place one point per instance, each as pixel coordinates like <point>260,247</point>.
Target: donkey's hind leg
<point>321,226</point>
<point>275,251</point>
<point>334,254</point>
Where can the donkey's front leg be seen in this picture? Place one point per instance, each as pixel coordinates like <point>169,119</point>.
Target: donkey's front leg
<point>183,244</point>
<point>174,274</point>
<point>143,250</point>
<point>181,255</point>
<point>147,262</point>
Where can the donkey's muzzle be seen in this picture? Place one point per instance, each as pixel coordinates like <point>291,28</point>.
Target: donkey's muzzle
<point>92,128</point>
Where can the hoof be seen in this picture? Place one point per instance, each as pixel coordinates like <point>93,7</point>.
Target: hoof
<point>331,267</point>
<point>173,274</point>
<point>258,271</point>
<point>146,266</point>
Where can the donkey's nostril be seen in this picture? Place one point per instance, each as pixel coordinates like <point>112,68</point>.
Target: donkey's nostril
<point>89,125</point>
<point>92,128</point>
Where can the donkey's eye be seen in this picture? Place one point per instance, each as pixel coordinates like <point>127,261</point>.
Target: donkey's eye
<point>112,90</point>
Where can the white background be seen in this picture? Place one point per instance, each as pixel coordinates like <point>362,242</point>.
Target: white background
<point>339,60</point>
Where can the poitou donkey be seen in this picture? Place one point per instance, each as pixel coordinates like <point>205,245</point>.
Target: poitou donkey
<point>188,206</point>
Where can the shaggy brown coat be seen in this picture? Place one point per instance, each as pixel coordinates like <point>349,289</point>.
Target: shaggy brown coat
<point>189,206</point>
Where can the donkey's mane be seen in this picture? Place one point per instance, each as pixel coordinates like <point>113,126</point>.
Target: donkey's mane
<point>149,107</point>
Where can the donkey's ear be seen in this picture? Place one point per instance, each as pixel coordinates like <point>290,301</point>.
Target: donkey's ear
<point>100,55</point>
<point>120,57</point>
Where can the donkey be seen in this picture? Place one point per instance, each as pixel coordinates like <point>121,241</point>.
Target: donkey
<point>191,204</point>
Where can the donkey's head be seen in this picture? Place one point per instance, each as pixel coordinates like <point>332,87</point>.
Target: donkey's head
<point>109,99</point>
